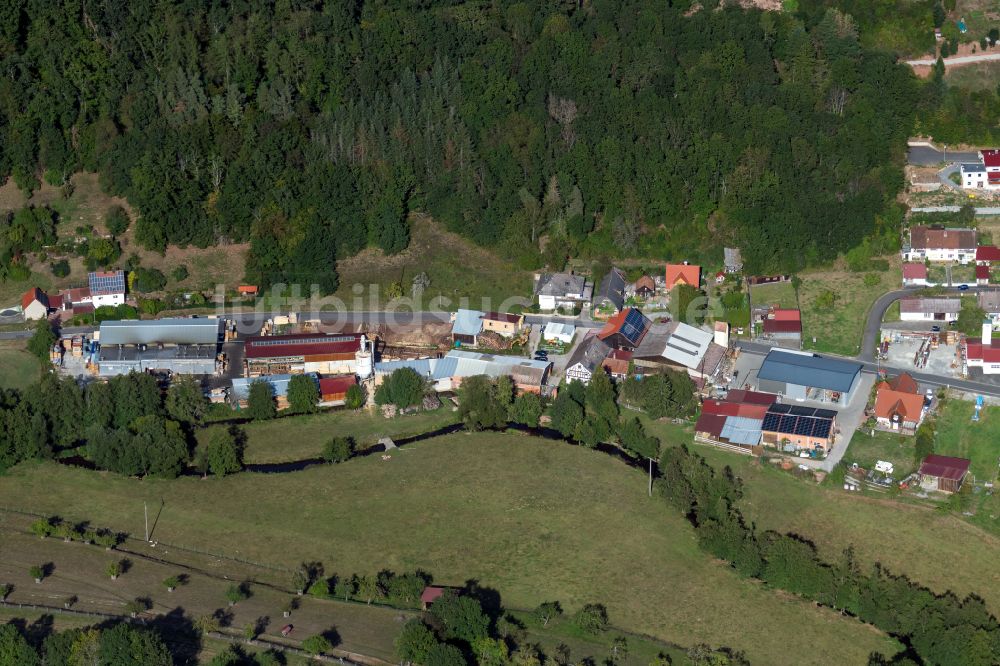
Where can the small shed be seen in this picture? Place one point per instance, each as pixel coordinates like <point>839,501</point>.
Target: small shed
<point>645,287</point>
<point>943,473</point>
<point>247,290</point>
<point>333,389</point>
<point>429,596</point>
<point>559,332</point>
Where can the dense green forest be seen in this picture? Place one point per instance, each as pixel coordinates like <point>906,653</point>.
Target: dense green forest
<point>310,129</point>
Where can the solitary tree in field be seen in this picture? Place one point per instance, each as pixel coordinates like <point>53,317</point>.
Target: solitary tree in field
<point>236,593</point>
<point>316,645</point>
<point>546,612</point>
<point>171,583</point>
<point>37,573</point>
<point>338,449</point>
<point>224,454</point>
<point>114,569</point>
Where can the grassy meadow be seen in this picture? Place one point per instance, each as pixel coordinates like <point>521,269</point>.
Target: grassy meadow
<point>535,520</point>
<point>18,368</point>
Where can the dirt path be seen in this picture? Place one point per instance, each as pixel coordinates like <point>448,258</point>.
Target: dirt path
<point>924,66</point>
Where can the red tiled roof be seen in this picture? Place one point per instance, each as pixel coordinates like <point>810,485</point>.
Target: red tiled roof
<point>991,157</point>
<point>336,385</point>
<point>751,397</point>
<point>645,282</point>
<point>303,344</point>
<point>710,423</point>
<point>247,289</point>
<point>917,271</point>
<point>931,238</point>
<point>502,316</point>
<point>32,295</point>
<point>56,301</point>
<point>615,322</point>
<point>786,314</point>
<point>987,253</point>
<point>780,326</point>
<point>944,467</point>
<point>77,295</point>
<point>726,408</point>
<point>683,273</point>
<point>977,351</point>
<point>993,177</point>
<point>430,594</point>
<point>889,402</point>
<point>903,382</point>
<point>83,308</point>
<point>982,272</point>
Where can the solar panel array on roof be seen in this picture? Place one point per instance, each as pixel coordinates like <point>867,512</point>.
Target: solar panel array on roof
<point>107,283</point>
<point>798,420</point>
<point>634,326</point>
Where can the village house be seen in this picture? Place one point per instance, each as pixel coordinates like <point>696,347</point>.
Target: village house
<point>562,291</point>
<point>940,244</point>
<point>929,309</point>
<point>943,473</point>
<point>677,274</point>
<point>503,323</point>
<point>34,304</point>
<point>625,330</point>
<point>587,358</point>
<point>985,175</point>
<point>617,363</point>
<point>106,288</point>
<point>914,275</point>
<point>466,326</point>
<point>899,405</point>
<point>610,296</point>
<point>982,275</point>
<point>645,287</point>
<point>791,428</point>
<point>983,355</point>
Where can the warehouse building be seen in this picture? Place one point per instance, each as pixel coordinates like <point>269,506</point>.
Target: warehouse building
<point>447,373</point>
<point>342,354</point>
<point>179,346</point>
<point>805,376</point>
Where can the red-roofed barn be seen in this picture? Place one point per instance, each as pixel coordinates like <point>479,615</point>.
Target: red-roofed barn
<point>943,473</point>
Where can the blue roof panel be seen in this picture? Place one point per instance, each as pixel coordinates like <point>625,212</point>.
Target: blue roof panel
<point>809,370</point>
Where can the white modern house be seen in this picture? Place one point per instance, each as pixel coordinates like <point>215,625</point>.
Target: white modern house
<point>940,244</point>
<point>986,174</point>
<point>107,288</point>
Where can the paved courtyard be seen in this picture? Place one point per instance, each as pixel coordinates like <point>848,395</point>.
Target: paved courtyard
<point>943,361</point>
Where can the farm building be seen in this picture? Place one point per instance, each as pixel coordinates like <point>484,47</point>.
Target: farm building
<point>340,354</point>
<point>940,244</point>
<point>678,346</point>
<point>929,309</point>
<point>734,422</point>
<point>558,332</point>
<point>34,304</point>
<point>503,323</point>
<point>562,291</point>
<point>334,389</point>
<point>625,330</point>
<point>806,376</point>
<point>466,325</point>
<point>784,326</point>
<point>982,275</point>
<point>446,373</point>
<point>587,358</point>
<point>795,428</point>
<point>984,354</point>
<point>610,296</point>
<point>987,254</point>
<point>106,288</point>
<point>181,346</point>
<point>943,473</point>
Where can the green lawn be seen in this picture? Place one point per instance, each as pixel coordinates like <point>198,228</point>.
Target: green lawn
<point>837,328</point>
<point>18,368</point>
<point>534,520</point>
<point>937,274</point>
<point>891,447</point>
<point>963,274</point>
<point>269,441</point>
<point>781,294</point>
<point>958,435</point>
<point>892,313</point>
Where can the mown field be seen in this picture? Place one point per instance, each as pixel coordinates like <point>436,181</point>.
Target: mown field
<point>269,441</point>
<point>534,520</point>
<point>18,368</point>
<point>957,435</point>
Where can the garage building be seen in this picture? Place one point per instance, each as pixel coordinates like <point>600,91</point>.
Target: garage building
<point>805,376</point>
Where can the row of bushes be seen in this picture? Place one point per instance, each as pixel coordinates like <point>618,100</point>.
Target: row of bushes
<point>56,527</point>
<point>940,629</point>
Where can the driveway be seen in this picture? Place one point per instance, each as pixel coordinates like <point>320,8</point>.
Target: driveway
<point>944,175</point>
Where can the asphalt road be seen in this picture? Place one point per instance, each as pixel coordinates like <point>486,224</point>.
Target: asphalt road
<point>924,155</point>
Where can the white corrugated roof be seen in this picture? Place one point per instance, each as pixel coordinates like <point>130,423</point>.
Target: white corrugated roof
<point>687,345</point>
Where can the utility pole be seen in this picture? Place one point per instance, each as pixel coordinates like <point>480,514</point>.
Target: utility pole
<point>145,514</point>
<point>650,477</point>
